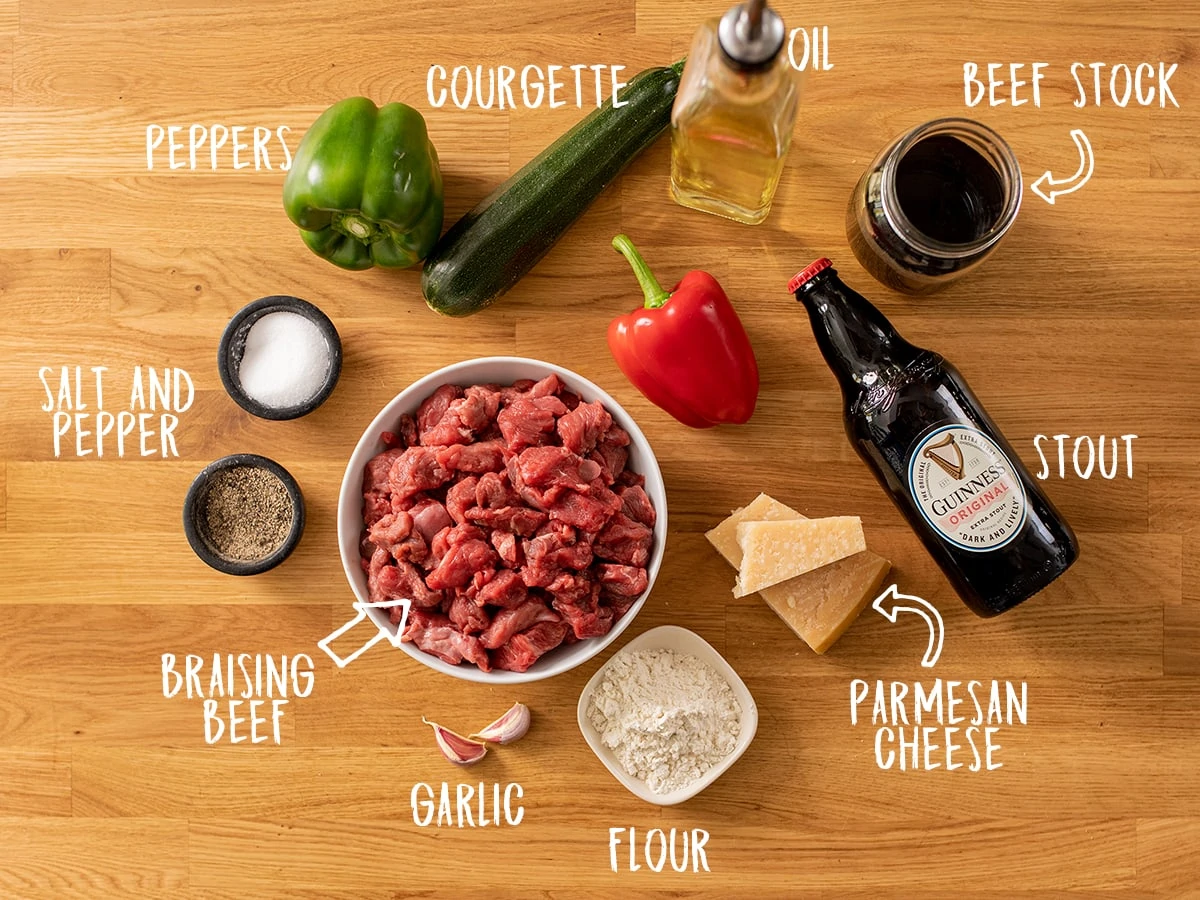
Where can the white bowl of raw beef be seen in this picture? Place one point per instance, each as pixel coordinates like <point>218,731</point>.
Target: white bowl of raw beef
<point>524,513</point>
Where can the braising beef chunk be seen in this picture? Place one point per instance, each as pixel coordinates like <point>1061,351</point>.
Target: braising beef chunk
<point>435,633</point>
<point>509,518</point>
<point>636,505</point>
<point>583,426</point>
<point>526,647</point>
<point>529,423</point>
<point>622,581</point>
<point>624,541</point>
<point>417,469</point>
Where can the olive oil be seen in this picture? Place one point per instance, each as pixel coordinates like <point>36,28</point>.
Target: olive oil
<point>731,124</point>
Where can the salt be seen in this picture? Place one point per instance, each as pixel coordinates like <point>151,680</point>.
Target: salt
<point>286,360</point>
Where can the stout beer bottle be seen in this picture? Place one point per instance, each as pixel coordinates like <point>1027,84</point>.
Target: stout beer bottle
<point>916,423</point>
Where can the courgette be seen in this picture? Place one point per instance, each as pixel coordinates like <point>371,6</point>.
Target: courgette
<point>489,249</point>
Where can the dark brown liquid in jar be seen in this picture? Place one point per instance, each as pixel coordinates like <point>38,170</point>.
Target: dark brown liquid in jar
<point>933,205</point>
<point>948,191</point>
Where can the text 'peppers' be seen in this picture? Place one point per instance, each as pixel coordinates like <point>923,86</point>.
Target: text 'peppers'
<point>686,350</point>
<point>365,188</point>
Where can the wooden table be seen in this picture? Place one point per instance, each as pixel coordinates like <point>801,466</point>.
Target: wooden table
<point>1083,323</point>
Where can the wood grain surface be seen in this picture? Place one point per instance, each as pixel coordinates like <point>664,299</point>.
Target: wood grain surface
<point>1084,322</point>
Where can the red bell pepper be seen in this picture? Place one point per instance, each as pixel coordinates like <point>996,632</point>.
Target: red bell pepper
<point>686,350</point>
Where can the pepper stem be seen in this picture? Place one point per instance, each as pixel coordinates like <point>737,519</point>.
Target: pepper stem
<point>655,295</point>
<point>355,226</point>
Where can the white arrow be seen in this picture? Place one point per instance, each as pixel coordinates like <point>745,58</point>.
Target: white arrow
<point>395,638</point>
<point>923,608</point>
<point>1087,163</point>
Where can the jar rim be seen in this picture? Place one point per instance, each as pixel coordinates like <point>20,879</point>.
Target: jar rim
<point>998,153</point>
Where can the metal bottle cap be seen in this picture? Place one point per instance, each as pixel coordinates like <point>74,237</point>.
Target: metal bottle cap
<point>745,44</point>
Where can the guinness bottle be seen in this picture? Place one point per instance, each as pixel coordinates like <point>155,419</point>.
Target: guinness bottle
<point>933,447</point>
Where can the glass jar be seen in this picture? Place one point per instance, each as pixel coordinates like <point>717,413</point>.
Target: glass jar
<point>732,121</point>
<point>933,204</point>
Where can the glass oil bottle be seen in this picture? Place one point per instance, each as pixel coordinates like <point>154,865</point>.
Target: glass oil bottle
<point>731,124</point>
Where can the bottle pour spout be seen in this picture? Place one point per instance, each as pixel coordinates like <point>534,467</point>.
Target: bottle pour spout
<point>751,34</point>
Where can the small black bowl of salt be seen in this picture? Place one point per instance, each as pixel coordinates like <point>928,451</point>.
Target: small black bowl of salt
<point>243,514</point>
<point>279,357</point>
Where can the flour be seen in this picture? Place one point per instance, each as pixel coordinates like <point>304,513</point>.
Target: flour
<point>668,717</point>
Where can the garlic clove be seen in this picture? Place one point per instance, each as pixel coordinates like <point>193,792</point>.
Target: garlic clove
<point>459,750</point>
<point>508,728</point>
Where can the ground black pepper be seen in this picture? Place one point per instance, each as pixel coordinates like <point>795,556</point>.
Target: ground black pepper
<point>247,513</point>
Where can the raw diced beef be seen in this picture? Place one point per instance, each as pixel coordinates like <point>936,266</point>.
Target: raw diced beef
<point>581,428</point>
<point>624,541</point>
<point>509,621</point>
<point>572,588</point>
<point>508,517</point>
<point>543,467</point>
<point>375,475</point>
<point>394,532</point>
<point>578,601</point>
<point>433,408</point>
<point>508,548</point>
<point>636,505</point>
<point>517,389</point>
<point>620,605</point>
<point>516,519</point>
<point>406,431</point>
<point>505,590</point>
<point>586,511</point>
<point>429,517</point>
<point>612,453</point>
<point>528,422</point>
<point>464,418</point>
<point>630,478</point>
<point>622,581</point>
<point>493,491</point>
<point>376,505</point>
<point>435,633</point>
<point>460,498</point>
<point>417,469</point>
<point>468,615</point>
<point>460,563</point>
<point>403,582</point>
<point>391,529</point>
<point>547,555</point>
<point>487,456</point>
<point>551,384</point>
<point>526,647</point>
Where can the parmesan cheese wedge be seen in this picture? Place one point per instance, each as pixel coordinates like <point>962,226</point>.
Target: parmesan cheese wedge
<point>776,551</point>
<point>761,509</point>
<point>820,605</point>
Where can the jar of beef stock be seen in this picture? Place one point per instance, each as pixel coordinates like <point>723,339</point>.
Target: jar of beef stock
<point>933,204</point>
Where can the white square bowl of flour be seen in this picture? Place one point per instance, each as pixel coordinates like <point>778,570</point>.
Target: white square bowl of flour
<point>667,715</point>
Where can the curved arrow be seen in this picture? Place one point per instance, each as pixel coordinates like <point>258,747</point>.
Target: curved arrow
<point>888,605</point>
<point>1056,188</point>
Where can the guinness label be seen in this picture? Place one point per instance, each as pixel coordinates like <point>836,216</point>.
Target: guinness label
<point>966,489</point>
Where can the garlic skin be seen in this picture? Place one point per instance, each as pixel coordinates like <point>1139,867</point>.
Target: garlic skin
<point>459,750</point>
<point>508,728</point>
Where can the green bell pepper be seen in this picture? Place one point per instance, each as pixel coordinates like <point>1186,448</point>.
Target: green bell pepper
<point>365,187</point>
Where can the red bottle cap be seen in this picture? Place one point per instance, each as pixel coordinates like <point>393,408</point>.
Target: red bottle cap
<point>808,272</point>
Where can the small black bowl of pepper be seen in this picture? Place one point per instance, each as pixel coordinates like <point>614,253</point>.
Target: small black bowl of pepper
<point>243,514</point>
